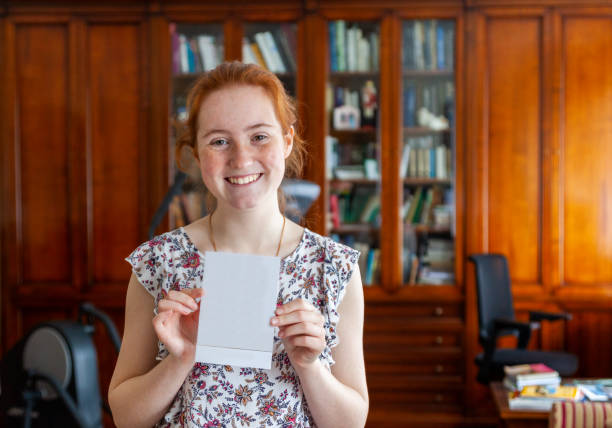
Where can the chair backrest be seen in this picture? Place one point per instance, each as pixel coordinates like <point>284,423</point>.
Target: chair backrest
<point>493,291</point>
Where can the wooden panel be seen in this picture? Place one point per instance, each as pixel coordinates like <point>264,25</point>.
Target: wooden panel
<point>115,79</point>
<point>42,154</point>
<point>588,336</point>
<point>514,47</point>
<point>587,157</point>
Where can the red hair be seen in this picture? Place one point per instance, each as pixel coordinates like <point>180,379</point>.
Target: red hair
<point>236,73</point>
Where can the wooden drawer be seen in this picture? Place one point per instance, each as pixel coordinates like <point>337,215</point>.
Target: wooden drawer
<point>413,310</point>
<point>427,368</point>
<point>436,401</point>
<point>411,339</point>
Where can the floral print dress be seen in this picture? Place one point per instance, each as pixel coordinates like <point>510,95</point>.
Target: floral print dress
<point>213,395</point>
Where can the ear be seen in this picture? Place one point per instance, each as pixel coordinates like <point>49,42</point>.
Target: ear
<point>289,141</point>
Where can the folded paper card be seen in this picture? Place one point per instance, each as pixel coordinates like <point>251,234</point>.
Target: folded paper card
<point>239,301</point>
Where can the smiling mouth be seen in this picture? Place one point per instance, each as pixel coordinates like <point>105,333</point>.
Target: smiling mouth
<point>245,179</point>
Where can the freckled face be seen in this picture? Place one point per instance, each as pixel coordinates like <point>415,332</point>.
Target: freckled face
<point>241,146</point>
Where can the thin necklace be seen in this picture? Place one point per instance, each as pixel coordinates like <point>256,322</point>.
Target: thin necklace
<point>212,235</point>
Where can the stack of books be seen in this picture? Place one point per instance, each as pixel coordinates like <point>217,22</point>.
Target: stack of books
<point>520,376</point>
<point>536,387</point>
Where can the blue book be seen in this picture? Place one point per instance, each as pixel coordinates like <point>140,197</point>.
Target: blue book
<point>432,162</point>
<point>409,106</point>
<point>190,58</point>
<point>369,267</point>
<point>440,47</point>
<point>333,51</point>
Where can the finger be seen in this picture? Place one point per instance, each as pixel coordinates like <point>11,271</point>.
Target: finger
<point>307,329</point>
<point>194,292</point>
<point>183,298</point>
<point>314,343</point>
<point>160,320</point>
<point>173,305</point>
<point>298,317</point>
<point>294,305</point>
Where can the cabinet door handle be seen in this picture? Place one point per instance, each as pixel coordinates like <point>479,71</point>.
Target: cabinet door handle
<point>439,340</point>
<point>439,311</point>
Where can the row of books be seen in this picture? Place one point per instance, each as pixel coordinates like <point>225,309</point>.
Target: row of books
<point>274,51</point>
<point>352,48</point>
<point>428,45</point>
<point>436,97</point>
<point>435,267</point>
<point>536,387</point>
<point>348,161</point>
<point>194,54</point>
<point>422,159</point>
<point>421,207</point>
<point>359,205</point>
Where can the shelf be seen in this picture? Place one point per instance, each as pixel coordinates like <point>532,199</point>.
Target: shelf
<point>428,73</point>
<point>416,181</point>
<point>354,228</point>
<point>368,181</point>
<point>352,132</point>
<point>421,130</point>
<point>343,75</point>
<point>422,228</point>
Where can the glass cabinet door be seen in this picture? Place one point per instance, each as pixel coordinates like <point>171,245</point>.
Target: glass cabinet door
<point>353,142</point>
<point>427,162</point>
<point>195,48</point>
<point>273,45</point>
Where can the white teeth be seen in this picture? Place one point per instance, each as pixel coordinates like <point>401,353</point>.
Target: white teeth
<point>243,180</point>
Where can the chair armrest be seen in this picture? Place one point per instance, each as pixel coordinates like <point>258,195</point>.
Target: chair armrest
<point>523,328</point>
<point>548,316</point>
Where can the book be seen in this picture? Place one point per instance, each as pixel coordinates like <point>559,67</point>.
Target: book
<point>335,210</point>
<point>520,376</point>
<point>541,398</point>
<point>262,44</point>
<point>258,55</point>
<point>248,56</point>
<point>176,50</point>
<point>405,161</point>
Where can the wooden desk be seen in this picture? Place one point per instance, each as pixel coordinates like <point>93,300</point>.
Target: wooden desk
<point>515,418</point>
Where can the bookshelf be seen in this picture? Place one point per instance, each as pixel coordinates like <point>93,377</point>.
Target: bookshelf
<point>427,160</point>
<point>352,143</point>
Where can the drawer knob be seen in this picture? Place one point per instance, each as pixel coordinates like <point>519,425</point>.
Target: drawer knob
<point>439,368</point>
<point>438,398</point>
<point>439,340</point>
<point>439,311</point>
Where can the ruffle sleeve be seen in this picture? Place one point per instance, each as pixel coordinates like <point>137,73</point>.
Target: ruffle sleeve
<point>340,262</point>
<point>148,263</point>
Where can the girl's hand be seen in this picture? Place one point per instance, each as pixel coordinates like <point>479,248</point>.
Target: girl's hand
<point>176,323</point>
<point>301,329</point>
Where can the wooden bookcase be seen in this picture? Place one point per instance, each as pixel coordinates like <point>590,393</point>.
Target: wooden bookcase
<point>90,100</point>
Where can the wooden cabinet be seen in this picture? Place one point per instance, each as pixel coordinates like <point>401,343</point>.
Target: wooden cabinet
<point>90,97</point>
<point>78,169</point>
<point>537,170</point>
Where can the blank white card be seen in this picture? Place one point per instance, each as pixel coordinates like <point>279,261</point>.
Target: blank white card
<point>240,292</point>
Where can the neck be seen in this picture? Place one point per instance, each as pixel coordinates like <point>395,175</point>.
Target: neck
<point>253,231</point>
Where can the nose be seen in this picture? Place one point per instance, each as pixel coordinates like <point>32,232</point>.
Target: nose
<point>241,156</point>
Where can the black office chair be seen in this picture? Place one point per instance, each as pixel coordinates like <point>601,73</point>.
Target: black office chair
<point>496,319</point>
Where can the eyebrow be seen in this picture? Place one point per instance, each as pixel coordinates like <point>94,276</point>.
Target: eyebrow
<point>248,128</point>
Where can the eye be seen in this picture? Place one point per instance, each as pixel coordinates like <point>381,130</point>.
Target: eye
<point>259,138</point>
<point>219,142</point>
